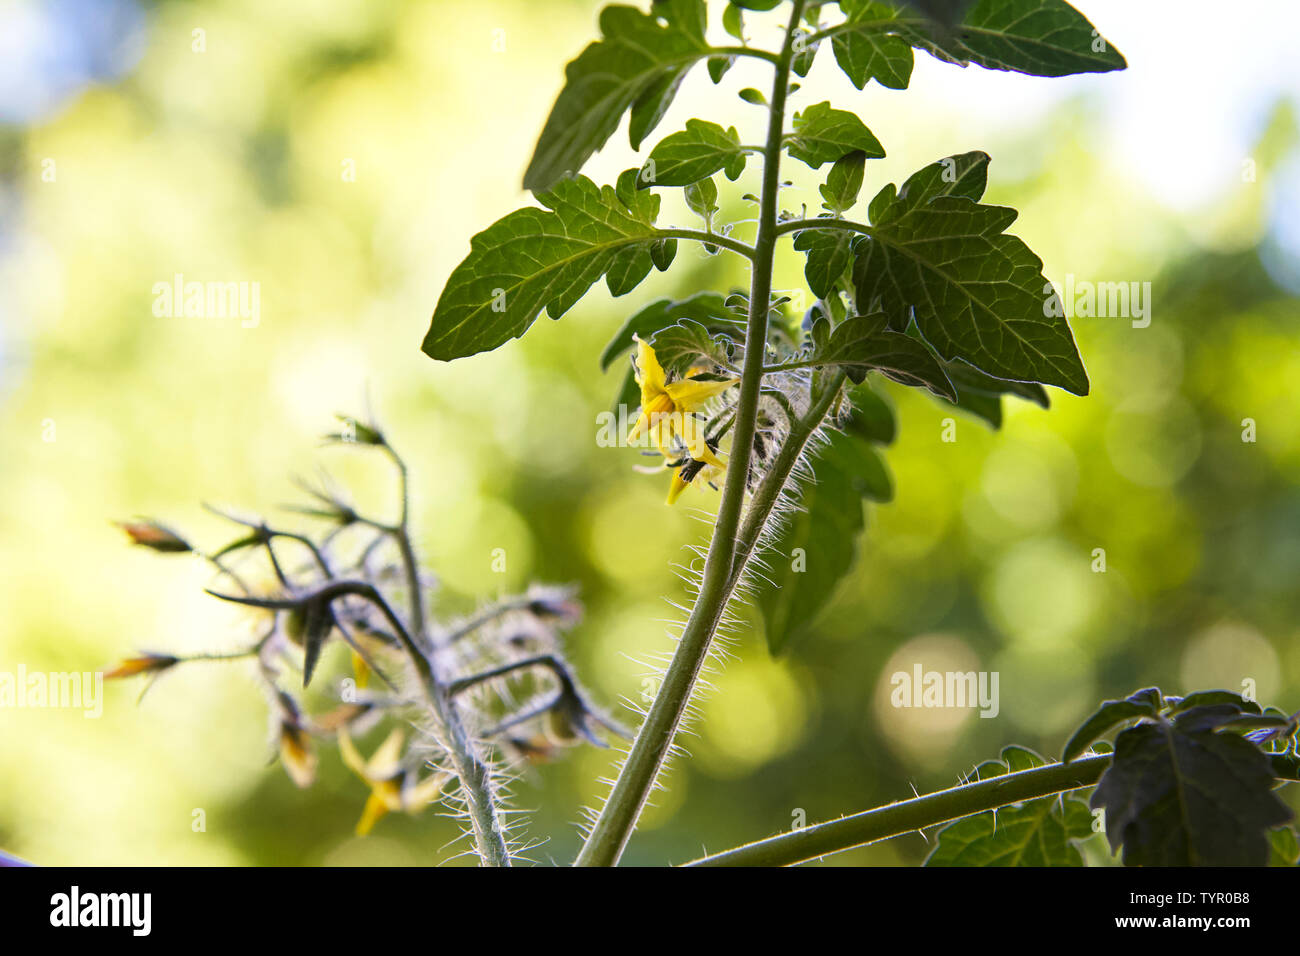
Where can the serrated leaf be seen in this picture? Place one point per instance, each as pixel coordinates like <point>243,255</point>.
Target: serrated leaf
<point>686,343</point>
<point>544,258</point>
<point>707,308</point>
<point>829,252</point>
<point>981,395</point>
<point>637,65</point>
<point>1143,703</point>
<point>863,342</point>
<point>817,544</point>
<point>1034,833</point>
<point>823,134</point>
<point>1180,794</point>
<point>864,55</point>
<point>1037,37</point>
<point>976,294</point>
<point>696,153</point>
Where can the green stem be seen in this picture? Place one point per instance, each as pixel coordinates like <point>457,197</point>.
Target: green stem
<point>848,225</point>
<point>710,238</point>
<point>778,473</point>
<point>473,774</point>
<point>834,836</point>
<point>618,817</point>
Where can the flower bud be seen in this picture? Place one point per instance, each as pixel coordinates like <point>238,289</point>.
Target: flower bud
<point>150,534</point>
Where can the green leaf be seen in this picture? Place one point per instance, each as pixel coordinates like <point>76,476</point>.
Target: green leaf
<point>864,54</point>
<point>638,64</point>
<point>1143,703</point>
<point>697,153</point>
<point>544,258</point>
<point>977,294</point>
<point>702,198</point>
<point>823,134</point>
<point>733,21</point>
<point>804,53</point>
<point>1038,37</point>
<point>751,95</point>
<point>830,253</point>
<point>871,417</point>
<point>1208,698</point>
<point>864,342</point>
<point>844,182</point>
<point>680,346</point>
<point>817,544</point>
<point>706,308</point>
<point>1034,833</point>
<point>1177,793</point>
<point>1283,848</point>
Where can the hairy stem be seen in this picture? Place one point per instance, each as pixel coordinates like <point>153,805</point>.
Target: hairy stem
<point>834,836</point>
<point>618,817</point>
<point>471,771</point>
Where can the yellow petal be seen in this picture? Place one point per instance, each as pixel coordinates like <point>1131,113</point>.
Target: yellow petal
<point>689,395</point>
<point>351,758</point>
<point>692,434</point>
<point>649,373</point>
<point>386,762</point>
<point>416,797</point>
<point>361,670</point>
<point>677,487</point>
<point>374,810</point>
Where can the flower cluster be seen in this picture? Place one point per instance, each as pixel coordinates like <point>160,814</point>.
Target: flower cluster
<point>462,700</point>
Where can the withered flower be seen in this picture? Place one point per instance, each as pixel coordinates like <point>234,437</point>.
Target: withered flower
<point>154,536</point>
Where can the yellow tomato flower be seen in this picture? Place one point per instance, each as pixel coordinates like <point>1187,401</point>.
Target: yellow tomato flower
<point>667,408</point>
<point>392,786</point>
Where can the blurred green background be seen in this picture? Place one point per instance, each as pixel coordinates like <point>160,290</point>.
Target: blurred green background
<point>341,154</point>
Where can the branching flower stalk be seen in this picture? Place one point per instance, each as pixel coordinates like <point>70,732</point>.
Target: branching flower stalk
<point>466,740</point>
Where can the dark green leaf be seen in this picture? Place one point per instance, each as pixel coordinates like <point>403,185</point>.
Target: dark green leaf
<point>864,342</point>
<point>817,544</point>
<point>638,64</point>
<point>751,95</point>
<point>698,152</point>
<point>976,293</point>
<point>706,308</point>
<point>544,258</point>
<point>871,418</point>
<point>1205,698</point>
<point>1038,37</point>
<point>864,54</point>
<point>823,134</point>
<point>829,257</point>
<point>1144,703</point>
<point>1180,794</point>
<point>981,394</point>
